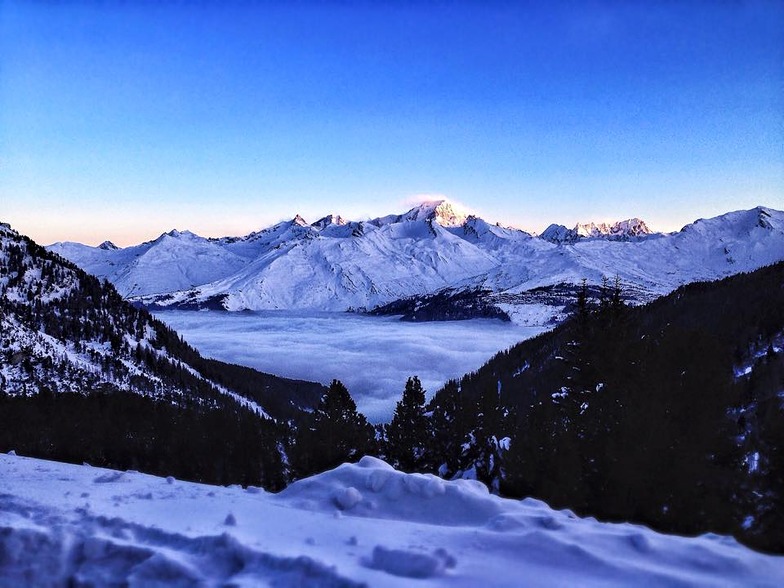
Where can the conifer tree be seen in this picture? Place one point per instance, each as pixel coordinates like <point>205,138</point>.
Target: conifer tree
<point>486,444</point>
<point>408,434</point>
<point>337,434</point>
<point>450,425</point>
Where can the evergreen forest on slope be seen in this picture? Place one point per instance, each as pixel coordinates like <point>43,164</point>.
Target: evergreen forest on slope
<point>668,414</point>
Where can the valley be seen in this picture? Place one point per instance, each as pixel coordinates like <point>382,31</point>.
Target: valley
<point>523,402</point>
<point>391,294</point>
<point>372,356</point>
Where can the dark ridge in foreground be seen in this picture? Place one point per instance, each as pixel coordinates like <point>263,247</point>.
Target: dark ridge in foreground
<point>87,376</point>
<point>669,414</point>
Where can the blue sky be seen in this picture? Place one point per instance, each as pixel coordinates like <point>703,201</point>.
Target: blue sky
<point>121,120</point>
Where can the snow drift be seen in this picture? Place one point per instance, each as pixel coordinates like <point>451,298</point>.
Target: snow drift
<point>362,524</point>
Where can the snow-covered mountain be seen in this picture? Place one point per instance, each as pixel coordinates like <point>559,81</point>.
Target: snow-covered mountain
<point>174,261</point>
<point>357,525</point>
<point>434,248</point>
<point>66,331</point>
<point>633,228</point>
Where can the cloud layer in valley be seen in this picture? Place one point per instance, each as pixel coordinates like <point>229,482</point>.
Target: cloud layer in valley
<point>372,356</point>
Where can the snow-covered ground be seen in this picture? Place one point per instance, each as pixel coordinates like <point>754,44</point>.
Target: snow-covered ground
<point>372,356</point>
<point>363,524</point>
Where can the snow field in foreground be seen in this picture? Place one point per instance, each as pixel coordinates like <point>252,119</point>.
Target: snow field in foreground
<point>361,524</point>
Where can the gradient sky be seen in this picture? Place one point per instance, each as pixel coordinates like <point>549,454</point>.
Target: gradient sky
<point>120,120</point>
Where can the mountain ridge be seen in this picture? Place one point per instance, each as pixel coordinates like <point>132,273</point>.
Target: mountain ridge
<point>632,228</point>
<point>668,413</point>
<point>337,264</point>
<point>67,331</point>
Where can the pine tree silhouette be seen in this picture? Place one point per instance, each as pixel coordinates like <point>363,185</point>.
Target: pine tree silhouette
<point>336,434</point>
<point>408,435</point>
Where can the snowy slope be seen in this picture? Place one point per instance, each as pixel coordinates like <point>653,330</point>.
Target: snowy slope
<point>338,266</point>
<point>704,250</point>
<point>174,261</point>
<point>362,524</point>
<point>335,264</point>
<point>64,331</point>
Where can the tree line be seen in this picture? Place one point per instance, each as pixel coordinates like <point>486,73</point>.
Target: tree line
<point>668,414</point>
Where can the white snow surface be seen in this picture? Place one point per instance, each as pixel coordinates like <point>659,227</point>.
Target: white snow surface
<point>176,260</point>
<point>363,524</point>
<point>336,265</point>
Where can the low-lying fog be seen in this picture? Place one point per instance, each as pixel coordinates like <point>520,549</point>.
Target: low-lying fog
<point>372,356</point>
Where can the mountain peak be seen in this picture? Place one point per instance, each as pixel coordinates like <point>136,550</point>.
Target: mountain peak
<point>743,221</point>
<point>298,220</point>
<point>624,230</point>
<point>558,234</point>
<point>763,218</point>
<point>330,219</point>
<point>632,227</point>
<point>108,246</point>
<point>443,212</point>
<point>173,233</point>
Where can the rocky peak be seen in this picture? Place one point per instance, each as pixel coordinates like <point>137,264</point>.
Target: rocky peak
<point>442,212</point>
<point>330,219</point>
<point>624,230</point>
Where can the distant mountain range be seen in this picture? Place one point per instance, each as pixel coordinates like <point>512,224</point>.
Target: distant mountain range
<point>627,230</point>
<point>430,258</point>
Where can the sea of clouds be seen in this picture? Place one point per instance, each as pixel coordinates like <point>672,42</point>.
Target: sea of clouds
<point>372,356</point>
